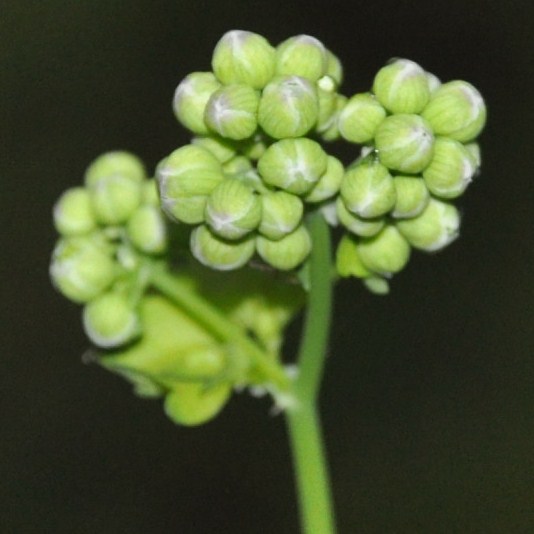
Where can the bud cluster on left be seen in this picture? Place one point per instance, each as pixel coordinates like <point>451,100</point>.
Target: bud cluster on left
<point>107,228</point>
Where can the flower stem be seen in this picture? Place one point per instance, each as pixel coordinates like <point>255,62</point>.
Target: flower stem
<point>311,472</point>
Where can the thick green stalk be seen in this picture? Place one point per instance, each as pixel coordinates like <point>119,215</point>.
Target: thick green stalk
<point>311,472</point>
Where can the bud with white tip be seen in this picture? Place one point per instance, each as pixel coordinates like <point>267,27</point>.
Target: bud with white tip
<point>147,231</point>
<point>281,214</point>
<point>329,182</point>
<point>301,55</point>
<point>412,196</point>
<point>73,213</point>
<point>360,118</point>
<point>355,224</point>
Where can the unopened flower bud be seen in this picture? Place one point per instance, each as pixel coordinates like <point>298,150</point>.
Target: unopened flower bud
<point>281,214</point>
<point>110,321</point>
<point>150,193</point>
<point>219,253</point>
<point>115,163</point>
<point>254,147</point>
<point>194,403</point>
<point>301,55</point>
<point>412,196</point>
<point>456,110</point>
<point>474,150</point>
<point>330,132</point>
<point>405,143</point>
<point>186,178</point>
<point>190,99</point>
<point>329,182</point>
<point>327,100</point>
<point>289,107</point>
<point>334,68</point>
<point>237,165</point>
<point>348,262</point>
<point>402,87</point>
<point>367,189</point>
<point>223,149</point>
<point>73,213</point>
<point>357,225</point>
<point>147,231</point>
<point>233,209</point>
<point>294,165</point>
<point>436,227</point>
<point>244,57</point>
<point>81,268</point>
<point>434,83</point>
<point>385,253</point>
<point>288,252</point>
<point>376,285</point>
<point>360,118</point>
<point>451,169</point>
<point>232,111</point>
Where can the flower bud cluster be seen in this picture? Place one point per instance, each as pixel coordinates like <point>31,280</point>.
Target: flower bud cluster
<point>106,229</point>
<point>252,171</point>
<point>419,154</point>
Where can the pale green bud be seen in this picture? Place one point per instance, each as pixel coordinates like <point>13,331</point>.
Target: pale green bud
<point>223,149</point>
<point>451,170</point>
<point>289,107</point>
<point>115,163</point>
<point>185,180</point>
<point>434,83</point>
<point>348,262</point>
<point>73,213</point>
<point>294,165</point>
<point>254,147</point>
<point>434,229</point>
<point>190,100</point>
<point>128,257</point>
<point>376,285</point>
<point>115,197</point>
<point>81,268</point>
<point>360,118</point>
<point>402,87</point>
<point>281,214</point>
<point>357,225</point>
<point>334,68</point>
<point>330,131</point>
<point>302,55</point>
<point>367,189</point>
<point>474,150</point>
<point>150,193</point>
<point>244,57</point>
<point>109,321</point>
<point>191,404</point>
<point>232,111</point>
<point>237,165</point>
<point>329,182</point>
<point>327,99</point>
<point>233,209</point>
<point>412,196</point>
<point>405,143</point>
<point>288,252</point>
<point>385,253</point>
<point>218,253</point>
<point>456,110</point>
<point>147,231</point>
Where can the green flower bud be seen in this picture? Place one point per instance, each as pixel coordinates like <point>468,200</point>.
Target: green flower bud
<point>81,268</point>
<point>254,147</point>
<point>147,231</point>
<point>334,68</point>
<point>367,189</point>
<point>190,99</point>
<point>237,165</point>
<point>218,253</point>
<point>456,110</point>
<point>405,143</point>
<point>73,214</point>
<point>434,229</point>
<point>348,262</point>
<point>185,180</point>
<point>114,163</point>
<point>115,197</point>
<point>434,83</point>
<point>402,87</point>
<point>288,252</point>
<point>150,193</point>
<point>360,118</point>
<point>294,165</point>
<point>376,285</point>
<point>330,131</point>
<point>128,257</point>
<point>109,321</point>
<point>451,170</point>
<point>233,209</point>
<point>302,55</point>
<point>329,182</point>
<point>223,149</point>
<point>355,224</point>
<point>232,111</point>
<point>385,253</point>
<point>191,404</point>
<point>281,214</point>
<point>474,150</point>
<point>412,196</point>
<point>244,57</point>
<point>289,107</point>
<point>327,99</point>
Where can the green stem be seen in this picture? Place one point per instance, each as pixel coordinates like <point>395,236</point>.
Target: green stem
<point>311,472</point>
<point>218,324</point>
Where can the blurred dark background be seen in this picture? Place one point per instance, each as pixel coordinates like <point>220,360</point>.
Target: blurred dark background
<point>428,399</point>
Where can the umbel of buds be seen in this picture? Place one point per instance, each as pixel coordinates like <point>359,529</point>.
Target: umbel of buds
<point>238,196</point>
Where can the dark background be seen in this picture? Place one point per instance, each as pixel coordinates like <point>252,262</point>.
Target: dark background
<point>428,399</point>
